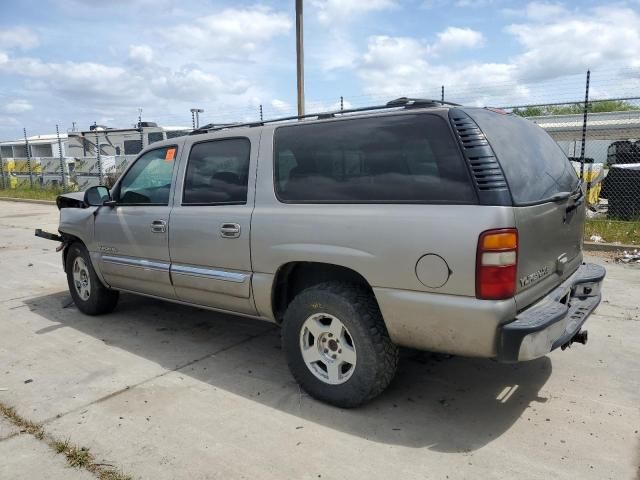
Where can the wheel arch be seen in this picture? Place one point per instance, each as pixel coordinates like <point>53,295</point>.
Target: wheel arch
<point>293,277</point>
<point>68,241</point>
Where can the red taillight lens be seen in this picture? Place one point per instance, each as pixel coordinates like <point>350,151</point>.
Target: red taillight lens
<point>496,264</point>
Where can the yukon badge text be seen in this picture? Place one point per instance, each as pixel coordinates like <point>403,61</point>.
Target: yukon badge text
<point>534,277</point>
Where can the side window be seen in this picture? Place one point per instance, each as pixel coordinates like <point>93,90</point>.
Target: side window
<point>148,181</point>
<point>132,147</point>
<point>217,173</point>
<point>177,133</point>
<point>155,137</point>
<point>386,159</point>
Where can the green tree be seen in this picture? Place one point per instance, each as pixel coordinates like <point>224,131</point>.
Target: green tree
<point>577,108</point>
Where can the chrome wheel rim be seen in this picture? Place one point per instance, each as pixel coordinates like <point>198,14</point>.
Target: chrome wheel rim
<point>81,279</point>
<point>327,348</point>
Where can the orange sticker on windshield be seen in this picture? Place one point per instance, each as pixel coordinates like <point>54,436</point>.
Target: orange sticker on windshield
<point>170,155</point>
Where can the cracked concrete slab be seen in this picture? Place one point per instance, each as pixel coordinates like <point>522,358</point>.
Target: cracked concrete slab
<point>210,395</point>
<point>25,458</point>
<point>7,429</point>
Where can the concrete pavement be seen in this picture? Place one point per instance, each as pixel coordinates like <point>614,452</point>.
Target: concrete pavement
<point>168,392</point>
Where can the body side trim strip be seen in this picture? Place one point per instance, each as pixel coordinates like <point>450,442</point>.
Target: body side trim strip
<point>209,273</point>
<point>136,262</point>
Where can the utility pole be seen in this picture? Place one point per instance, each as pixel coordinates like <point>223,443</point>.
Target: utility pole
<point>196,112</point>
<point>300,57</point>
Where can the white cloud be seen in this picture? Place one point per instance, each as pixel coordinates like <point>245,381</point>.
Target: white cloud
<point>141,53</point>
<point>281,106</point>
<point>455,37</point>
<point>18,106</point>
<point>8,122</point>
<point>194,85</point>
<point>77,78</point>
<point>231,33</point>
<point>566,45</point>
<point>19,38</point>
<point>395,66</point>
<point>331,11</point>
<point>315,106</point>
<point>544,11</point>
<point>552,46</point>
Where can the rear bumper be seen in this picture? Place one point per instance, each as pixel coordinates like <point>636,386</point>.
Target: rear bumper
<point>554,320</point>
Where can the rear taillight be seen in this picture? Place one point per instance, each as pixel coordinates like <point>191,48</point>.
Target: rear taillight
<point>496,264</point>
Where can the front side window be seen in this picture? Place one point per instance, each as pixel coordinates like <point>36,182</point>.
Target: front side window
<point>217,173</point>
<point>148,181</point>
<point>387,159</point>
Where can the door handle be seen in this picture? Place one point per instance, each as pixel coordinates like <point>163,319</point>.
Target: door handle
<point>158,226</point>
<point>230,230</point>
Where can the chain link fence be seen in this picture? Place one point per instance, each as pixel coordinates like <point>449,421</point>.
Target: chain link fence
<point>74,161</point>
<point>605,150</point>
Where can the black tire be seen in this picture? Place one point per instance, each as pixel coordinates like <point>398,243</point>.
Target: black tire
<point>100,299</point>
<point>357,309</point>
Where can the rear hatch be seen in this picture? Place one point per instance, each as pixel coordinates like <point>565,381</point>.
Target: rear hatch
<point>548,202</point>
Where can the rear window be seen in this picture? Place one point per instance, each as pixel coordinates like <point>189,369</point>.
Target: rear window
<point>218,172</point>
<point>390,159</point>
<point>533,163</point>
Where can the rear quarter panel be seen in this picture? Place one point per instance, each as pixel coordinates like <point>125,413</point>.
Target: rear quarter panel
<point>382,242</point>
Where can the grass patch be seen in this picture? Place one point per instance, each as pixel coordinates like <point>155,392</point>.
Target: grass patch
<point>614,231</point>
<point>23,424</point>
<point>77,457</point>
<point>35,193</point>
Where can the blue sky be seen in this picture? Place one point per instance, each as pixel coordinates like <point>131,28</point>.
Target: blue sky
<point>84,61</point>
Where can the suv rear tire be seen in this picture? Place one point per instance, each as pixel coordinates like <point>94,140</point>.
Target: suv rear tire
<point>86,289</point>
<point>336,344</point>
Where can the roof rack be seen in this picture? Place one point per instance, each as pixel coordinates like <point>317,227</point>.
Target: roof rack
<point>397,103</point>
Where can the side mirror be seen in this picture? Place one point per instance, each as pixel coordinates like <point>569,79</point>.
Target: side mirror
<point>97,196</point>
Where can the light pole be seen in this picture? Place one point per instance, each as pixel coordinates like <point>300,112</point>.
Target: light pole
<point>300,57</point>
<point>195,117</point>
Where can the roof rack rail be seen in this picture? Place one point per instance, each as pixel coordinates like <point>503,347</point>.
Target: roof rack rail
<point>397,103</point>
<point>419,102</point>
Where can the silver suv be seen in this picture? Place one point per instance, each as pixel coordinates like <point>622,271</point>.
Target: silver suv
<point>415,224</point>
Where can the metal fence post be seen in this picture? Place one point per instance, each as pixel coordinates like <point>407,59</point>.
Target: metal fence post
<point>584,129</point>
<point>98,158</point>
<point>62,165</point>
<point>26,143</point>
<point>4,182</point>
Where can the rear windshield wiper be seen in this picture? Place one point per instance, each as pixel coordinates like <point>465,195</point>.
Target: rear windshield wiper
<point>560,196</point>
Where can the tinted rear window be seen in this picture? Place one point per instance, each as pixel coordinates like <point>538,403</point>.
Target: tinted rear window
<point>534,165</point>
<point>218,172</point>
<point>403,158</point>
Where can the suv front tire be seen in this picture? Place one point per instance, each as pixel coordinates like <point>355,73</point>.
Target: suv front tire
<point>86,289</point>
